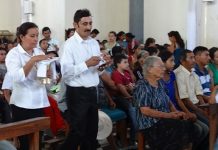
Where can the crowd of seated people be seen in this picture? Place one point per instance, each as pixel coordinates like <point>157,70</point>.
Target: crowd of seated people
<point>159,88</point>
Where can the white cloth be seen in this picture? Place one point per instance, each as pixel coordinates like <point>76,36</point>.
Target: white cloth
<point>73,67</point>
<point>42,67</point>
<point>28,92</point>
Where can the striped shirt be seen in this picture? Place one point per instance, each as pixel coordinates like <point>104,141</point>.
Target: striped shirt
<point>204,78</point>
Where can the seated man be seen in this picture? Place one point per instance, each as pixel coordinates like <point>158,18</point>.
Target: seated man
<point>189,86</point>
<point>202,59</point>
<point>53,43</point>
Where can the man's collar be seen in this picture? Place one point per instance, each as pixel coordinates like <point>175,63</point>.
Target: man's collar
<point>79,39</point>
<point>197,68</point>
<point>184,69</point>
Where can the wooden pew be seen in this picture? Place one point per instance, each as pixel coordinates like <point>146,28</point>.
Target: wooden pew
<point>30,127</point>
<point>213,118</point>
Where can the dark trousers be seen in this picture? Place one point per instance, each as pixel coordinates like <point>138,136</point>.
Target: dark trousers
<point>83,118</point>
<point>5,111</point>
<point>20,114</point>
<point>170,134</point>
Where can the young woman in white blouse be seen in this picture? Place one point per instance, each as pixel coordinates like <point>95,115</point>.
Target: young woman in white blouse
<point>29,96</point>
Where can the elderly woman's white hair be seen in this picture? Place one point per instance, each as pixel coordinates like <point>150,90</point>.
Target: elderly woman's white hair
<point>149,62</point>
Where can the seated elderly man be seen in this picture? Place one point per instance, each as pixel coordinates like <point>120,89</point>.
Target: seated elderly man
<point>189,86</point>
<point>164,126</point>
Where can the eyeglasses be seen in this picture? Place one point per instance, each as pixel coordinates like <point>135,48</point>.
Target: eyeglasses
<point>159,66</point>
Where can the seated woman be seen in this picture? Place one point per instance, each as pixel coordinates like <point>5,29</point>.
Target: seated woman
<point>213,65</point>
<point>138,65</point>
<point>164,126</point>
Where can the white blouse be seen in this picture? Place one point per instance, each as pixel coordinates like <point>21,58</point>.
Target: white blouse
<point>28,92</point>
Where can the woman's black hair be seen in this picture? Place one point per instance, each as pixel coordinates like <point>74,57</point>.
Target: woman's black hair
<point>149,41</point>
<point>212,52</point>
<point>23,28</point>
<point>119,34</point>
<point>165,55</point>
<point>152,50</point>
<point>178,38</point>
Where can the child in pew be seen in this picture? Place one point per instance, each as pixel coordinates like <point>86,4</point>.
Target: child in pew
<point>124,80</point>
<point>107,105</point>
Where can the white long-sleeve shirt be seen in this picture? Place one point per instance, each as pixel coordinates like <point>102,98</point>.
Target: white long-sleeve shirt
<point>28,92</point>
<point>73,67</point>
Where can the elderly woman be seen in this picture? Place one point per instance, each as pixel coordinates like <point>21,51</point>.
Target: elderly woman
<point>164,127</point>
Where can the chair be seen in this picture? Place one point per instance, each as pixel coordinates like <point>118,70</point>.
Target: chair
<point>118,118</point>
<point>141,140</point>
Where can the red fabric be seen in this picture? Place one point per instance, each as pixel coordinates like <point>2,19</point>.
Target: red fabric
<point>131,46</point>
<point>56,121</point>
<point>119,78</point>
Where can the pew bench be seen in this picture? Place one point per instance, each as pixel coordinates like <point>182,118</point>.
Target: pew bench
<point>30,127</point>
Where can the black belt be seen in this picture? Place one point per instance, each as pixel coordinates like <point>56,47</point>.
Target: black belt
<point>84,88</point>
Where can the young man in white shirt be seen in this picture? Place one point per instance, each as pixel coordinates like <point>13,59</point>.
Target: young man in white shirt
<point>53,43</point>
<point>79,67</point>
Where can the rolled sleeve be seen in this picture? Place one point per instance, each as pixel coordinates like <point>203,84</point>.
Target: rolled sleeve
<point>14,67</point>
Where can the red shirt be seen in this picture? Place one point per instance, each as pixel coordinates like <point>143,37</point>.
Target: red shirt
<point>123,79</point>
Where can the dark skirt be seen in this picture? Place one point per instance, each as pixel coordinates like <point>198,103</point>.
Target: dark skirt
<point>169,134</point>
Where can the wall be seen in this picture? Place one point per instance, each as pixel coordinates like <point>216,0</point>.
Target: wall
<point>10,15</point>
<point>107,15</point>
<point>211,19</point>
<point>162,16</point>
<point>50,13</point>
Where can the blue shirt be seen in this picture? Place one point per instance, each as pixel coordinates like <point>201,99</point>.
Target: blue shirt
<point>146,95</point>
<point>204,78</point>
<point>170,89</point>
